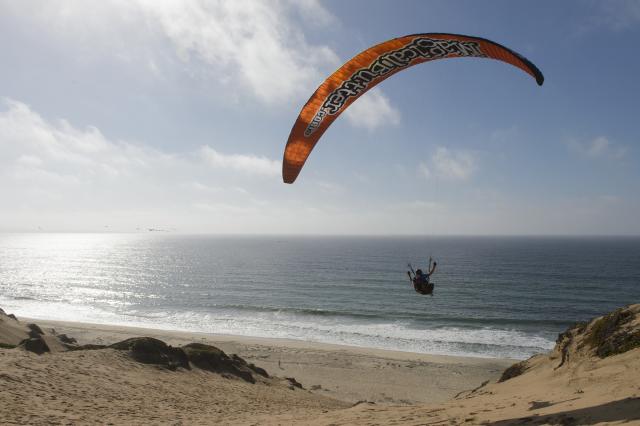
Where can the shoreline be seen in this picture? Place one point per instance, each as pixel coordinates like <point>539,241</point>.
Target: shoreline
<point>346,373</point>
<point>81,327</point>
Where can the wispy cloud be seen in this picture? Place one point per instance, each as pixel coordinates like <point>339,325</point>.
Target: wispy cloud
<point>372,110</point>
<point>619,15</point>
<point>329,187</point>
<point>420,206</point>
<point>362,178</point>
<point>248,48</point>
<point>253,47</point>
<point>227,208</point>
<point>258,41</point>
<point>424,170</point>
<point>449,164</point>
<point>30,143</point>
<point>614,15</point>
<point>505,135</point>
<point>600,147</point>
<point>48,167</point>
<point>250,164</point>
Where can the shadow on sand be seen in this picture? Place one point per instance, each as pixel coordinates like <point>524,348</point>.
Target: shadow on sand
<point>623,410</point>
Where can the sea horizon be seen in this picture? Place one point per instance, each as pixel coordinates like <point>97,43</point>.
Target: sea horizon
<point>336,235</point>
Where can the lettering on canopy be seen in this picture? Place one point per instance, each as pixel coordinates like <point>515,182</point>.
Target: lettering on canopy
<point>420,48</point>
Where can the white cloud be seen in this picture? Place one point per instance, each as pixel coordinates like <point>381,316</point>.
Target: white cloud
<point>258,40</point>
<point>619,15</point>
<point>255,48</point>
<point>449,165</point>
<point>505,135</point>
<point>54,174</point>
<point>372,110</point>
<point>29,161</point>
<point>362,178</point>
<point>226,208</point>
<point>614,15</point>
<point>420,206</point>
<point>251,46</point>
<point>314,13</point>
<point>329,187</point>
<point>245,163</point>
<point>597,148</point>
<point>31,144</point>
<point>424,170</point>
<point>61,177</point>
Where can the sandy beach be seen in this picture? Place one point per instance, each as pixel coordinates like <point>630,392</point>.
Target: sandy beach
<point>345,373</point>
<point>591,377</point>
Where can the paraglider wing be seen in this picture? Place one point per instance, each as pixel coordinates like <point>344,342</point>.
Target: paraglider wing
<point>372,66</point>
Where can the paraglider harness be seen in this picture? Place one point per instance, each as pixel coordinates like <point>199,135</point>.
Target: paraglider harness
<point>420,280</point>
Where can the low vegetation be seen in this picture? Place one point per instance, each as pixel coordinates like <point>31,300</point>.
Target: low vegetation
<point>608,336</point>
<point>514,371</point>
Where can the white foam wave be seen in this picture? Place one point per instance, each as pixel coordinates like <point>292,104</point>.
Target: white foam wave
<point>399,335</point>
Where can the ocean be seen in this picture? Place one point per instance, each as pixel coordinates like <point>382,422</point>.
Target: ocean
<point>505,297</point>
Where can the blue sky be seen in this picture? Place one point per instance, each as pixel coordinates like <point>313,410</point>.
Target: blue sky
<point>129,115</point>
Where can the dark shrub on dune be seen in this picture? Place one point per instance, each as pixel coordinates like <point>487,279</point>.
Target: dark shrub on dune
<point>514,371</point>
<point>250,366</point>
<point>153,351</point>
<point>66,339</point>
<point>36,345</point>
<point>210,358</point>
<point>611,334</point>
<point>35,330</point>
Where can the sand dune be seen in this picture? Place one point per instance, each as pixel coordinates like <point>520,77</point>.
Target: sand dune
<point>583,381</point>
<point>591,377</point>
<point>107,386</point>
<point>119,385</point>
<point>342,372</point>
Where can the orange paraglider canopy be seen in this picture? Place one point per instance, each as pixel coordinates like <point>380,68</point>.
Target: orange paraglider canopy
<point>372,66</point>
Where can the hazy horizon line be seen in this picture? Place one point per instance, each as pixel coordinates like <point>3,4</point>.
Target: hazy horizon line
<point>218,234</point>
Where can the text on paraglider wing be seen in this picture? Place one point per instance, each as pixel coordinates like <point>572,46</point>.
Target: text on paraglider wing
<point>420,49</point>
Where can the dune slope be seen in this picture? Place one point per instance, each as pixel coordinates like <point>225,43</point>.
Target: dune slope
<point>591,377</point>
